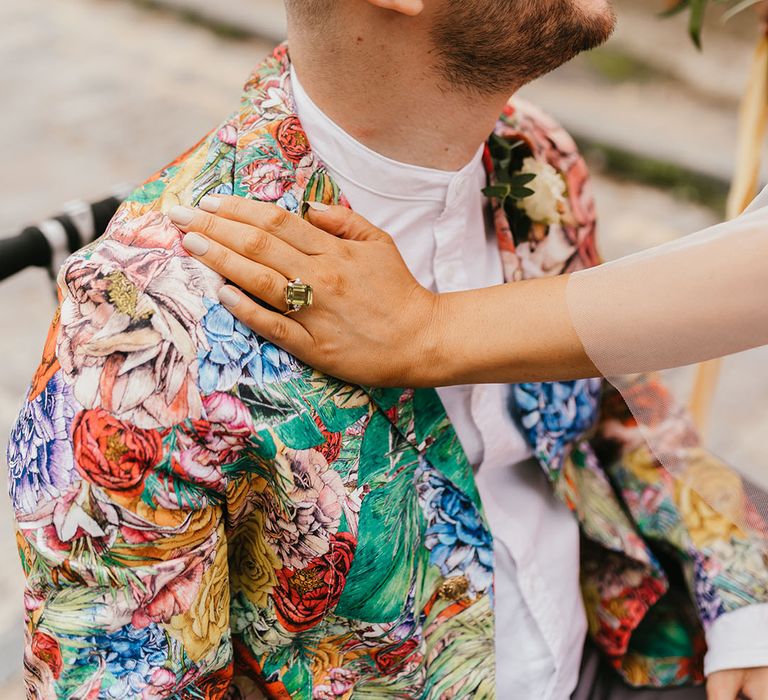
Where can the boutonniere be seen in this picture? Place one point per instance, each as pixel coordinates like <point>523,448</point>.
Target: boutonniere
<point>531,191</point>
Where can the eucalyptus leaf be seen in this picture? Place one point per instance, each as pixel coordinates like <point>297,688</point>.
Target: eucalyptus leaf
<point>498,191</point>
<point>698,10</point>
<point>522,179</point>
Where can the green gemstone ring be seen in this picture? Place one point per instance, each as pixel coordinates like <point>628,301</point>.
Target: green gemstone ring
<point>298,296</point>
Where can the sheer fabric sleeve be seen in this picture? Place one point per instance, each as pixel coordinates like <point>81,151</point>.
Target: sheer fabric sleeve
<point>701,297</point>
<point>698,298</point>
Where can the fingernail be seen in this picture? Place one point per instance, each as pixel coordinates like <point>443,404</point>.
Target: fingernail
<point>195,244</point>
<point>318,206</point>
<point>228,296</point>
<point>181,215</point>
<point>210,204</point>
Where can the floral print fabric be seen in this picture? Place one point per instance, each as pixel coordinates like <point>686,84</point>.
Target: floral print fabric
<point>200,515</point>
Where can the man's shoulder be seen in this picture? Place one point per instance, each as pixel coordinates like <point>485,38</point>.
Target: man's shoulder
<point>138,271</point>
<point>131,326</point>
<point>141,220</point>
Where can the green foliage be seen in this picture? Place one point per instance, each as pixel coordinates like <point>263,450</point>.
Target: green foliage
<point>698,10</point>
<point>508,159</point>
<point>389,553</point>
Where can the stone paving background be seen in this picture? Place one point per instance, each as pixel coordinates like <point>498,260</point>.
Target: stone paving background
<point>101,92</point>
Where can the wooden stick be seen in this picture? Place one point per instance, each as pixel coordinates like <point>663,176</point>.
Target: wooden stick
<point>753,125</point>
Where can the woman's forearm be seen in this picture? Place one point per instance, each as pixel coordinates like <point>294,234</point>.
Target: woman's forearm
<point>504,334</point>
<point>373,324</point>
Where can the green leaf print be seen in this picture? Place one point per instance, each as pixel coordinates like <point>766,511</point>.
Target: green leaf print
<point>151,191</point>
<point>389,553</point>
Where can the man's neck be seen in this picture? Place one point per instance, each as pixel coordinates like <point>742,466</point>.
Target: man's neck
<point>387,95</point>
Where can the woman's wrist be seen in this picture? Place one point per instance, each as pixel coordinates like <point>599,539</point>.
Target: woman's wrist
<point>502,334</point>
<point>440,348</point>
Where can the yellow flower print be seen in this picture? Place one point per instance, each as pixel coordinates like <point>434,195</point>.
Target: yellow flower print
<point>241,494</point>
<point>643,465</point>
<point>711,499</point>
<point>330,666</point>
<point>252,561</point>
<point>183,532</point>
<point>25,552</point>
<point>201,628</point>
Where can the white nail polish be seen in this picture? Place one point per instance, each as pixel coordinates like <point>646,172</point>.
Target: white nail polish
<point>318,206</point>
<point>181,215</point>
<point>210,204</point>
<point>195,244</point>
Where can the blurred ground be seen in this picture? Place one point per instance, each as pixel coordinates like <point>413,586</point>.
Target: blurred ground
<point>100,92</point>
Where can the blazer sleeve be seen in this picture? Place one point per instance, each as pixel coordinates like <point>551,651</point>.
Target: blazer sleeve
<point>118,480</point>
<point>685,499</point>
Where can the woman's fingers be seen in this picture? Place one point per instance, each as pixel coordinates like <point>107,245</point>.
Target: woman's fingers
<point>259,280</point>
<point>250,242</point>
<point>277,328</point>
<point>287,227</point>
<point>725,685</point>
<point>344,223</point>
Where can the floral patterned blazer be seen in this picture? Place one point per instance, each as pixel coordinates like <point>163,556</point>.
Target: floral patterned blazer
<point>200,515</point>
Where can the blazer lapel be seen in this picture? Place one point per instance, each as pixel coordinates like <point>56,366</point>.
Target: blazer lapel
<point>552,416</point>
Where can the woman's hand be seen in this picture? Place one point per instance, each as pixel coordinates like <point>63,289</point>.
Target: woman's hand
<point>738,683</point>
<point>370,323</point>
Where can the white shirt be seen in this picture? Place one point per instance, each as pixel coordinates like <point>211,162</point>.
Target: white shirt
<point>438,222</point>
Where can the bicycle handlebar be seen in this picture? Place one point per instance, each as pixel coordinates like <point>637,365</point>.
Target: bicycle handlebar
<point>52,240</point>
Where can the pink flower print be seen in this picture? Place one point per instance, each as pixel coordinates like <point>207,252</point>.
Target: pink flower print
<point>130,332</point>
<point>299,529</point>
<point>266,180</point>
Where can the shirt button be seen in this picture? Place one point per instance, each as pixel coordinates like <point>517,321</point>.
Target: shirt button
<point>453,588</point>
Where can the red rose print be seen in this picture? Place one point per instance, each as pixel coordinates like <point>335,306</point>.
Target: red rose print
<point>46,648</point>
<point>280,54</point>
<point>302,597</point>
<point>392,659</point>
<point>112,454</point>
<point>613,641</point>
<point>292,139</point>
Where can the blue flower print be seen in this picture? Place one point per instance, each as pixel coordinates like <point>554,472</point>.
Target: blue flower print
<point>555,414</point>
<point>459,541</point>
<point>40,461</point>
<point>705,594</point>
<point>288,202</point>
<point>236,354</point>
<point>131,655</point>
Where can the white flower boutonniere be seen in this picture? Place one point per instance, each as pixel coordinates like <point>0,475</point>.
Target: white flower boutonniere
<point>547,203</point>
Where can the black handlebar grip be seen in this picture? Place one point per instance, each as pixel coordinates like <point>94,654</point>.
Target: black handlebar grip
<point>29,248</point>
<point>103,212</point>
<point>32,249</point>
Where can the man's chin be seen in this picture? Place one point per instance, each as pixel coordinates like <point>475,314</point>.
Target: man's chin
<point>603,16</point>
<point>597,8</point>
<point>599,23</point>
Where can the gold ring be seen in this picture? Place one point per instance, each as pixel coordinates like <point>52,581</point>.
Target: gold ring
<point>298,296</point>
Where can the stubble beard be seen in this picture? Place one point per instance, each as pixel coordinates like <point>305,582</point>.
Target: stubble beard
<point>491,45</point>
